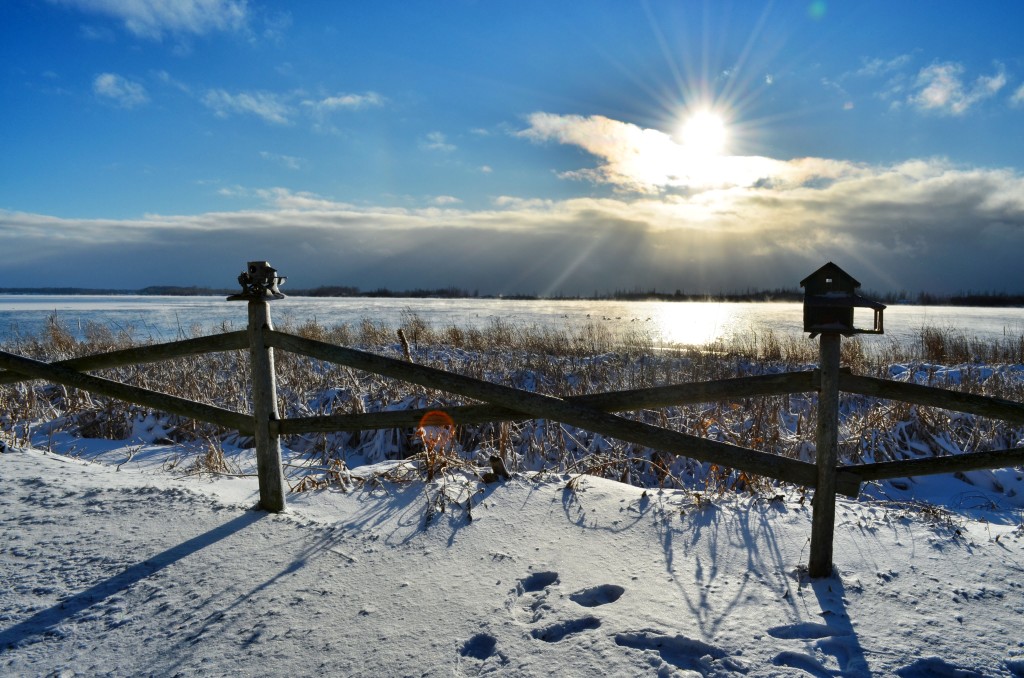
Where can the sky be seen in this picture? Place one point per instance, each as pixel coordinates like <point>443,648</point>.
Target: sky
<point>512,147</point>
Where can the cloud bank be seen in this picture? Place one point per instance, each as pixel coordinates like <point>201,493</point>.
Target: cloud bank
<point>668,223</point>
<point>902,226</point>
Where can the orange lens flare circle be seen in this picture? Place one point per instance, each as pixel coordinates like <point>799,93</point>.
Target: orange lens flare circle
<point>436,418</point>
<point>436,428</point>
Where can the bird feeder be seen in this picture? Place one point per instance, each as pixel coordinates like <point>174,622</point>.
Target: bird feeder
<point>830,296</point>
<point>259,283</point>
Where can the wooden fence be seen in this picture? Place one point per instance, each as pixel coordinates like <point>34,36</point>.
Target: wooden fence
<point>595,412</point>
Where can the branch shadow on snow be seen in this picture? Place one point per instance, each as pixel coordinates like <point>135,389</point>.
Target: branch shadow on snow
<point>700,548</point>
<point>714,584</point>
<point>629,516</point>
<point>44,621</point>
<point>400,511</point>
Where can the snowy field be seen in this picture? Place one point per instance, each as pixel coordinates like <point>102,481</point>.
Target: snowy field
<point>127,557</point>
<point>114,568</point>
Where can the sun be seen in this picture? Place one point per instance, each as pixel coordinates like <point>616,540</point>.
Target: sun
<point>705,133</point>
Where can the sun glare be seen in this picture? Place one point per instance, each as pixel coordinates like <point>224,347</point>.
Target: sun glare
<point>705,133</point>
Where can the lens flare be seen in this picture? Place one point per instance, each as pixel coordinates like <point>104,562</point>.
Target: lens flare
<point>436,430</point>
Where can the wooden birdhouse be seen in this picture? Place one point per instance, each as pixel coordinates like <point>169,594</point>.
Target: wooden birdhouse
<point>830,297</point>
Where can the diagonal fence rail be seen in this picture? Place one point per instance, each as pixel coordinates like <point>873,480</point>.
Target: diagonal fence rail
<point>542,406</point>
<point>59,374</point>
<point>612,401</point>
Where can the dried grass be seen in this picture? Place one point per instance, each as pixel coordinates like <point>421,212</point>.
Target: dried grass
<point>587,359</point>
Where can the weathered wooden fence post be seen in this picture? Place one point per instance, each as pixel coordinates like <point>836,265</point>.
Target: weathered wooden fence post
<point>827,443</point>
<point>259,285</point>
<point>830,296</point>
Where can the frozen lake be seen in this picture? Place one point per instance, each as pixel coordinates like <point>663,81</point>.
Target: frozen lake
<point>167,318</point>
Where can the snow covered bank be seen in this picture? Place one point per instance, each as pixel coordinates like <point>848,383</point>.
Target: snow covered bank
<point>130,572</point>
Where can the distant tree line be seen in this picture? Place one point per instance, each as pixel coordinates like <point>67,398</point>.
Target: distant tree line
<point>153,290</point>
<point>778,294</point>
<point>176,291</point>
<point>969,298</point>
<point>61,291</point>
<point>418,293</point>
<point>783,294</point>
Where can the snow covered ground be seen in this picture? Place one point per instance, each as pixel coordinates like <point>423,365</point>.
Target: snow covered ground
<point>136,570</point>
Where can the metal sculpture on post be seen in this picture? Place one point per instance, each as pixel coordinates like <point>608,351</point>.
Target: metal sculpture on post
<point>829,301</point>
<point>259,285</point>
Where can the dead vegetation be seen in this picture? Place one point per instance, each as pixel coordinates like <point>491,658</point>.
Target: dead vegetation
<point>587,359</point>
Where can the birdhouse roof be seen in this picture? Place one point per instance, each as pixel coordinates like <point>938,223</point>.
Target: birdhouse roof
<point>832,271</point>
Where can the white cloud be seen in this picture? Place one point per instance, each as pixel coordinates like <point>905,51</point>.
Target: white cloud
<point>941,88</point>
<point>287,161</point>
<point>840,91</point>
<point>123,92</point>
<point>647,160</point>
<point>283,108</point>
<point>323,109</point>
<point>287,200</point>
<point>267,105</point>
<point>153,18</point>
<point>436,141</point>
<point>234,192</point>
<point>444,200</point>
<point>511,202</point>
<point>351,102</point>
<point>1017,98</point>
<point>96,33</point>
<point>167,79</point>
<point>876,67</point>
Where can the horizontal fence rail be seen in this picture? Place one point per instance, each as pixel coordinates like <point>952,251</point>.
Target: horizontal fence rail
<point>972,461</point>
<point>970,403</point>
<point>153,353</point>
<point>549,407</point>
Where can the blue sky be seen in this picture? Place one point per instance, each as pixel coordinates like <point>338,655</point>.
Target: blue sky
<point>538,147</point>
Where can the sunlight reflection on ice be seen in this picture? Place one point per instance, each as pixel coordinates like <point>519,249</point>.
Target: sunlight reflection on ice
<point>699,323</point>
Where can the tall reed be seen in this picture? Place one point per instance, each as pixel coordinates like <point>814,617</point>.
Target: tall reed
<point>572,361</point>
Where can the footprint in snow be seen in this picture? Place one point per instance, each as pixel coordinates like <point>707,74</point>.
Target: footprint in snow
<point>559,630</point>
<point>482,655</point>
<point>682,652</point>
<point>536,596</point>
<point>832,647</point>
<point>481,646</point>
<point>529,599</point>
<point>934,667</point>
<point>597,595</point>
